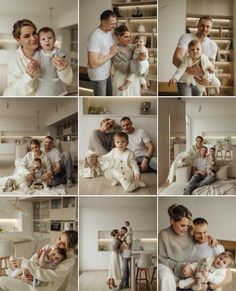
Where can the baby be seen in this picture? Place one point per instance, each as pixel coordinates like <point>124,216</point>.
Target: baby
<point>51,80</point>
<point>196,56</point>
<point>137,66</point>
<point>120,165</point>
<point>47,258</point>
<point>212,270</point>
<point>37,172</point>
<point>211,162</point>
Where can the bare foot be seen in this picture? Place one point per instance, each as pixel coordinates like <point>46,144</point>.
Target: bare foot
<point>217,90</point>
<point>125,85</point>
<point>144,88</point>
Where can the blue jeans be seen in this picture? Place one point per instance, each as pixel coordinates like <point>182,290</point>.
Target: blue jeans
<point>102,88</point>
<point>197,181</point>
<point>185,90</point>
<point>152,162</point>
<point>125,273</point>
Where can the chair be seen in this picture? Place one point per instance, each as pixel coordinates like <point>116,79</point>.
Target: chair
<point>6,250</point>
<point>144,263</point>
<point>154,270</point>
<point>219,149</point>
<point>228,149</point>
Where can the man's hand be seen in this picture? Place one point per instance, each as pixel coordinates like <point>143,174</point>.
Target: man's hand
<point>29,177</point>
<point>195,70</point>
<point>212,241</point>
<point>171,82</point>
<point>144,165</point>
<point>137,177</point>
<point>113,51</point>
<point>47,176</point>
<point>202,81</point>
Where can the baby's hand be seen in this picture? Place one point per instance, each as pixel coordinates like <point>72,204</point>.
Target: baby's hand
<point>205,274</point>
<point>137,177</point>
<point>171,82</point>
<point>211,70</point>
<point>187,271</point>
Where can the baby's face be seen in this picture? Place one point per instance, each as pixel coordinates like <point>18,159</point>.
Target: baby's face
<point>221,262</point>
<point>121,143</point>
<point>37,165</point>
<point>46,40</point>
<point>195,51</point>
<point>140,42</point>
<point>55,257</point>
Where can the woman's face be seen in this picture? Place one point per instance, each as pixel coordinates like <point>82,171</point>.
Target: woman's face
<point>62,242</point>
<point>35,148</point>
<point>181,226</point>
<point>125,38</point>
<point>28,38</point>
<point>199,142</point>
<point>106,125</point>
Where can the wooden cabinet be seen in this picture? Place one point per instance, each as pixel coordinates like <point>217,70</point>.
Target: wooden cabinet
<point>127,14</point>
<point>222,34</point>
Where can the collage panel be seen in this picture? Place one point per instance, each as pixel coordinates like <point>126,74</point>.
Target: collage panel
<point>118,140</point>
<point>198,146</point>
<point>39,237</point>
<point>118,48</point>
<point>110,228</point>
<point>196,49</point>
<point>38,146</point>
<point>195,249</point>
<point>39,48</point>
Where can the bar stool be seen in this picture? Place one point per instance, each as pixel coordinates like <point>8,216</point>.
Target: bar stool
<point>154,270</point>
<point>6,250</point>
<point>144,262</point>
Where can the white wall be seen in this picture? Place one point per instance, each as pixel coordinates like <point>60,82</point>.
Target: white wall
<point>210,7</point>
<point>172,19</point>
<point>219,212</point>
<point>105,215</point>
<point>89,19</point>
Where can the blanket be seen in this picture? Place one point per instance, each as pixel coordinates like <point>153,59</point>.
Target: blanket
<point>221,188</point>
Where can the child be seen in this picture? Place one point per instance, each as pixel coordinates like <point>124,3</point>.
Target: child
<point>196,56</point>
<point>212,168</point>
<point>129,229</point>
<point>120,165</point>
<point>37,172</point>
<point>52,79</point>
<point>47,258</point>
<point>211,270</point>
<point>137,66</point>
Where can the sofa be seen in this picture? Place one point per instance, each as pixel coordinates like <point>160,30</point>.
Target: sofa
<point>225,183</point>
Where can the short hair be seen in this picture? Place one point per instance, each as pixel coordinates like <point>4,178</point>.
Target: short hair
<point>125,118</point>
<point>124,228</point>
<point>114,232</point>
<point>212,148</point>
<point>49,137</point>
<point>72,238</point>
<point>199,136</point>
<point>45,30</point>
<point>205,17</point>
<point>228,255</point>
<point>122,135</point>
<point>204,147</point>
<point>199,221</point>
<point>193,43</point>
<point>138,36</point>
<point>177,212</point>
<point>62,253</point>
<point>127,222</point>
<point>120,30</point>
<point>19,24</point>
<point>38,160</point>
<point>107,14</point>
<point>35,141</point>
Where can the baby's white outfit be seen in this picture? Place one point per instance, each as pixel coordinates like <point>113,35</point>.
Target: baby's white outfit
<point>140,68</point>
<point>121,167</point>
<point>205,64</point>
<point>37,174</point>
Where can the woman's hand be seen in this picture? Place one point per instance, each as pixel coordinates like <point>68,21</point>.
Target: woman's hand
<point>32,68</point>
<point>26,276</point>
<point>59,63</point>
<point>15,263</point>
<point>29,177</point>
<point>195,70</point>
<point>187,271</point>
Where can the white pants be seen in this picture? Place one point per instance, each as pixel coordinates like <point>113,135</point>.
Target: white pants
<point>166,279</point>
<point>12,284</point>
<point>178,163</point>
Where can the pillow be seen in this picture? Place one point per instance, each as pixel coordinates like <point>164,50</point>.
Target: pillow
<point>232,169</point>
<point>222,173</point>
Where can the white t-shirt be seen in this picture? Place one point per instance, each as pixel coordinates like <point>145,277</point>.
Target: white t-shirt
<point>54,155</point>
<point>137,141</point>
<point>100,42</point>
<point>200,164</point>
<point>209,47</point>
<point>127,253</point>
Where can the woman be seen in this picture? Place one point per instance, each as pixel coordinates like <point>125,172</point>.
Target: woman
<point>54,280</point>
<point>185,158</point>
<point>175,246</point>
<point>114,266</point>
<point>22,67</point>
<point>121,62</point>
<point>101,140</point>
<point>23,170</point>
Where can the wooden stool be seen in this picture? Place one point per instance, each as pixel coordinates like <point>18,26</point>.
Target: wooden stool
<point>6,251</point>
<point>144,262</point>
<point>154,270</point>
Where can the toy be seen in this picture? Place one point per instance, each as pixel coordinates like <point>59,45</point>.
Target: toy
<point>201,280</point>
<point>10,185</point>
<point>91,166</point>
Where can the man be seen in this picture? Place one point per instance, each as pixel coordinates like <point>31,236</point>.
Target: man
<point>61,163</point>
<point>202,248</point>
<point>141,144</point>
<point>126,255</point>
<point>200,177</point>
<point>209,47</point>
<point>101,49</point>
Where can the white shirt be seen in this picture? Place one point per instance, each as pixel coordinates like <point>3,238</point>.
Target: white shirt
<point>54,155</point>
<point>137,142</point>
<point>127,253</point>
<point>100,42</point>
<point>200,164</point>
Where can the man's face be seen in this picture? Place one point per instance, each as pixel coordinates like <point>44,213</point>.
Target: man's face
<point>122,232</point>
<point>48,143</point>
<point>204,27</point>
<point>126,126</point>
<point>109,24</point>
<point>203,152</point>
<point>200,233</point>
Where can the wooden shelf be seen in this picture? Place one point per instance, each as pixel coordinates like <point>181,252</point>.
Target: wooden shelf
<point>135,3</point>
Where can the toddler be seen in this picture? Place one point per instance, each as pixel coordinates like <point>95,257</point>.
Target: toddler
<point>212,168</point>
<point>120,165</point>
<point>212,270</point>
<point>51,80</point>
<point>37,172</point>
<point>137,66</point>
<point>48,258</point>
<point>196,56</point>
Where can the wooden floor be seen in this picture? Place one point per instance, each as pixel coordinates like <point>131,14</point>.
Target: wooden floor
<point>102,186</point>
<point>96,280</point>
<point>7,167</point>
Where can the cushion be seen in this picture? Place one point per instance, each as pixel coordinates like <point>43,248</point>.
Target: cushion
<point>232,169</point>
<point>222,173</point>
